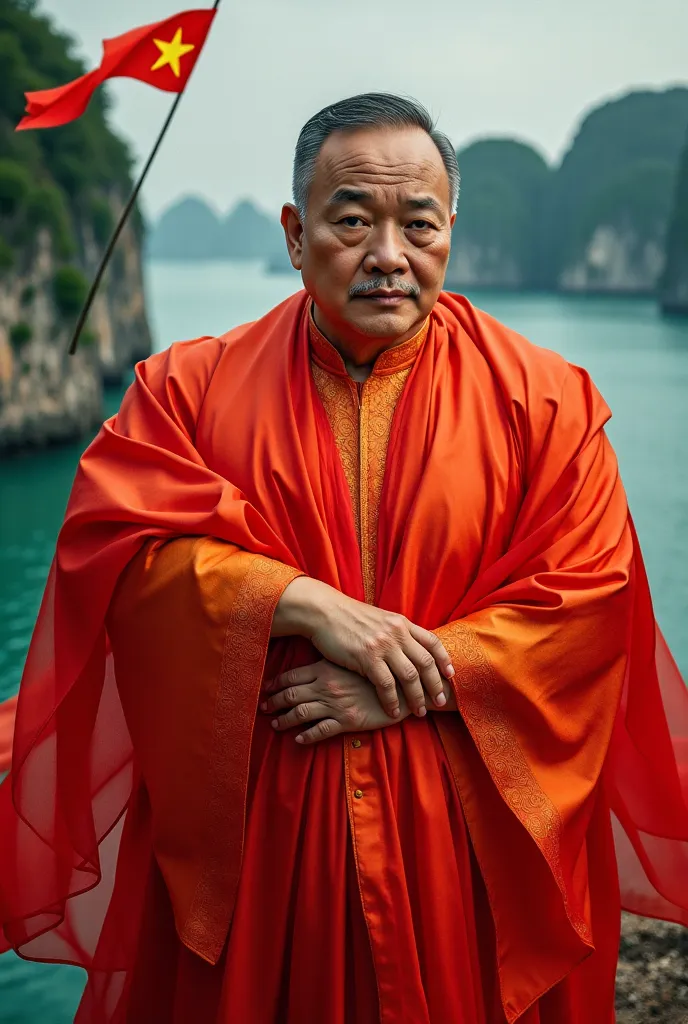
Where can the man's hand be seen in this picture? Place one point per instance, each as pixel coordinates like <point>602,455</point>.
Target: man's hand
<point>382,646</point>
<point>343,701</point>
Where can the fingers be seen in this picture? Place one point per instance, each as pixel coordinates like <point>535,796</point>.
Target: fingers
<point>290,682</point>
<point>384,682</point>
<point>302,713</point>
<point>435,647</point>
<point>290,697</point>
<point>431,680</point>
<point>298,676</point>
<point>409,679</point>
<point>322,731</point>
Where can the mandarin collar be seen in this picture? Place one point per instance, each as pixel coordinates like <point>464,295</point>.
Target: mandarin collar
<point>393,359</point>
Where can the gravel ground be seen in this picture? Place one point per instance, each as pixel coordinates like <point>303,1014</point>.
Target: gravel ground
<point>652,977</point>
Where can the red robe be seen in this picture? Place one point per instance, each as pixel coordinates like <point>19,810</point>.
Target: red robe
<point>238,894</point>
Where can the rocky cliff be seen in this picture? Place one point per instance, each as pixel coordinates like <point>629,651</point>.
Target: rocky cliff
<point>46,395</point>
<point>610,200</point>
<point>495,240</point>
<point>596,223</point>
<point>61,191</point>
<point>674,282</point>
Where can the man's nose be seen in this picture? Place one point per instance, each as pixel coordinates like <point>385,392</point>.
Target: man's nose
<point>386,253</point>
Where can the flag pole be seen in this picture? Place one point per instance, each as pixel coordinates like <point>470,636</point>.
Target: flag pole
<point>123,218</point>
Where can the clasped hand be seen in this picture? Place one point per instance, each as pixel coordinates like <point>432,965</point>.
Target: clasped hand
<point>335,699</point>
<point>381,646</point>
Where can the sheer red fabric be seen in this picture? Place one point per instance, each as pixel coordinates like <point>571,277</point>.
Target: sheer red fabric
<point>8,711</point>
<point>62,809</point>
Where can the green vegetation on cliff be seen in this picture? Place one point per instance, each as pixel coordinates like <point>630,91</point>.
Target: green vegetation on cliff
<point>619,173</point>
<point>596,222</point>
<point>503,184</point>
<point>60,192</point>
<point>54,178</point>
<point>674,283</point>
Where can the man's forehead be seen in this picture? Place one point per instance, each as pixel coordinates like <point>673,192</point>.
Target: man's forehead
<point>380,161</point>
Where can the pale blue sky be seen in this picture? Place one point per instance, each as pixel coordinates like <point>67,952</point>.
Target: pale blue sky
<point>527,68</point>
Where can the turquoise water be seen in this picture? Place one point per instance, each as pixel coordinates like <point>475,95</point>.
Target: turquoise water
<point>638,360</point>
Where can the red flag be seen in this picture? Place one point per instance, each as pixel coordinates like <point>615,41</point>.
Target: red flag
<point>163,55</point>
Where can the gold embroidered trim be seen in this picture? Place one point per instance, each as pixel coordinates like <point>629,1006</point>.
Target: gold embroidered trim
<point>380,395</point>
<point>362,433</point>
<point>243,659</point>
<point>399,357</point>
<point>361,423</point>
<point>340,400</point>
<point>477,695</point>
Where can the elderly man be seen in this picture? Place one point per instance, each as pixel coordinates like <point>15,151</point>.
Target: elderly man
<point>347,663</point>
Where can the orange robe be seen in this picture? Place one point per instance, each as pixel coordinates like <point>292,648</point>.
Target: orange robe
<point>255,879</point>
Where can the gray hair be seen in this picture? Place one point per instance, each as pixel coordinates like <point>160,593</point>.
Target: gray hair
<point>368,110</point>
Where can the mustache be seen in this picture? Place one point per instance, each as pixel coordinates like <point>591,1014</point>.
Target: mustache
<point>389,283</point>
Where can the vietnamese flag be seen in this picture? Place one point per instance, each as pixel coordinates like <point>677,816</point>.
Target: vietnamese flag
<point>163,55</point>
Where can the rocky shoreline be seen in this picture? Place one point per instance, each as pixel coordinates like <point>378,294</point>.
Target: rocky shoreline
<point>652,975</point>
<point>61,195</point>
<point>46,396</point>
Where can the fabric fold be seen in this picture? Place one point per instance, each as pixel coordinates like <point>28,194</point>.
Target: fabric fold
<point>189,626</point>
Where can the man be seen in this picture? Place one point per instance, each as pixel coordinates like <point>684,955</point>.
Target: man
<point>347,655</point>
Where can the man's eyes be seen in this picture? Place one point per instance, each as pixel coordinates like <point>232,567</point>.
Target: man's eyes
<point>355,222</point>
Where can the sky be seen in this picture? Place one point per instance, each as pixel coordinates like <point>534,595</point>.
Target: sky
<point>526,69</point>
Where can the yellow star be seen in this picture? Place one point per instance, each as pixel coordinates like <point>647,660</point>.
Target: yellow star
<point>171,52</point>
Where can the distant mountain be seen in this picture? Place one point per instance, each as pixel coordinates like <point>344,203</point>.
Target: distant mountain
<point>250,234</point>
<point>189,230</point>
<point>674,282</point>
<point>192,230</point>
<point>280,263</point>
<point>609,205</point>
<point>597,223</point>
<point>496,235</point>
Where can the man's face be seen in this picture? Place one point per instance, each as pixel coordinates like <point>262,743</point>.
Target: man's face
<point>374,247</point>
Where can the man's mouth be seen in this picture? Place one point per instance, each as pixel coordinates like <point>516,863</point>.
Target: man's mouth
<point>385,291</point>
<point>386,296</point>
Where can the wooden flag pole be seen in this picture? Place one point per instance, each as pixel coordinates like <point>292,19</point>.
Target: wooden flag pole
<point>123,219</point>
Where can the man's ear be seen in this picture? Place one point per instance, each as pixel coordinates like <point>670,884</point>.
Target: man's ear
<point>293,233</point>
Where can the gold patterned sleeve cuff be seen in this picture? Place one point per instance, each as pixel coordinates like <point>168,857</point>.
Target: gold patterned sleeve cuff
<point>279,574</point>
<point>459,641</point>
<point>453,637</point>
